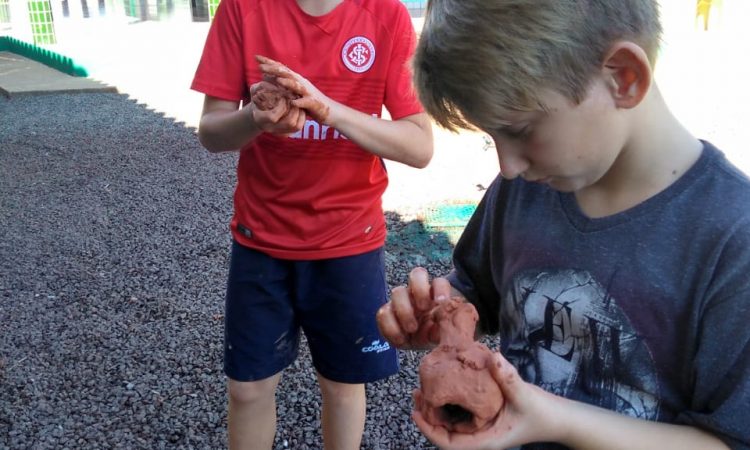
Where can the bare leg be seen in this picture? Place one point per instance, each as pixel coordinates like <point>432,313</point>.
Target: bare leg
<point>252,413</point>
<point>343,416</point>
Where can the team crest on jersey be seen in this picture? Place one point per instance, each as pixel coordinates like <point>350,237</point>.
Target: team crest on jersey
<point>358,54</point>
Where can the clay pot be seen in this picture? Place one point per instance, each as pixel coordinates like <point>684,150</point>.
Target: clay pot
<point>457,390</point>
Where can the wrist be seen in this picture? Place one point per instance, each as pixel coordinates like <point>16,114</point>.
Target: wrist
<point>555,415</point>
<point>578,423</point>
<point>249,112</point>
<point>249,123</point>
<point>335,114</point>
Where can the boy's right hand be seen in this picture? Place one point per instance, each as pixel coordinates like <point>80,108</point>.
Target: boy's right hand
<point>405,321</point>
<point>528,415</point>
<point>283,119</point>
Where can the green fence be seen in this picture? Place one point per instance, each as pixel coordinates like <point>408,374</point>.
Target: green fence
<point>449,218</point>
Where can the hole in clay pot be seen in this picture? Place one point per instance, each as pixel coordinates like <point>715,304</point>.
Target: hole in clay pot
<point>454,414</point>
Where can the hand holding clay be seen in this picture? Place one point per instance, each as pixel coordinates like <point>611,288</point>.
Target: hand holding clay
<point>412,319</point>
<point>458,391</point>
<point>406,320</point>
<point>272,111</point>
<point>267,96</point>
<point>310,98</point>
<point>523,417</point>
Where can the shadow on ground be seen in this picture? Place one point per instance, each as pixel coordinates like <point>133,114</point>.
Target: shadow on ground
<point>113,256</point>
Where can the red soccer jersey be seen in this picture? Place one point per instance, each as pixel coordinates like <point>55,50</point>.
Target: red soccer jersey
<point>316,194</point>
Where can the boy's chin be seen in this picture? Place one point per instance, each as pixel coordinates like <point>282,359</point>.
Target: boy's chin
<point>566,185</point>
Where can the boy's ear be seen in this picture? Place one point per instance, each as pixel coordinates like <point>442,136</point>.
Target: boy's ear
<point>628,72</point>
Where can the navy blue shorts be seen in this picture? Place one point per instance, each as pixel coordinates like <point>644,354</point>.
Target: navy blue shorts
<point>333,301</point>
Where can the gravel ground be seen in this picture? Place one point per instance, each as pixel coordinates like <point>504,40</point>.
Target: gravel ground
<point>113,257</point>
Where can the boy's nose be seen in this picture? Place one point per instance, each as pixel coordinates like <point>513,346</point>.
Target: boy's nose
<point>512,164</point>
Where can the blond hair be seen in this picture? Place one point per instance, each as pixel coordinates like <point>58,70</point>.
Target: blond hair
<point>479,59</point>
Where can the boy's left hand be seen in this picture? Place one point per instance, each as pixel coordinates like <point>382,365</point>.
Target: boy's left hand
<point>314,102</point>
<point>524,418</point>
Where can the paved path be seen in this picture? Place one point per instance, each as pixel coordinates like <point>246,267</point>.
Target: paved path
<point>23,76</point>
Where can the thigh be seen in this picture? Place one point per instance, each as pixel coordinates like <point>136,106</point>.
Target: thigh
<point>337,300</point>
<point>261,336</point>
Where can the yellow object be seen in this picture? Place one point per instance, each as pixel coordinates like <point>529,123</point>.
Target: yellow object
<point>703,10</point>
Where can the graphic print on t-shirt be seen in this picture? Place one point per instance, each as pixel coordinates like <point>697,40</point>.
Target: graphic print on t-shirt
<point>568,336</point>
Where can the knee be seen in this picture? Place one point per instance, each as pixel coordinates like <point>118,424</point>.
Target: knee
<point>249,392</point>
<point>333,391</point>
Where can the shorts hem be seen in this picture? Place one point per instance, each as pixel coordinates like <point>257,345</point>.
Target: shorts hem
<point>357,378</point>
<point>256,375</point>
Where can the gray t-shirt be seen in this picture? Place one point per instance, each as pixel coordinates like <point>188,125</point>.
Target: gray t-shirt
<point>645,312</point>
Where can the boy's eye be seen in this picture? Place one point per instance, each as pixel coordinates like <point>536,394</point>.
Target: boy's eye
<point>516,133</point>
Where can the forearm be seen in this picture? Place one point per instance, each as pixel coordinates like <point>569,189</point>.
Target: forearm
<point>407,141</point>
<point>222,131</point>
<point>582,426</point>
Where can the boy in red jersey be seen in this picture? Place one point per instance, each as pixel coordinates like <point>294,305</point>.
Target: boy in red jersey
<point>308,225</point>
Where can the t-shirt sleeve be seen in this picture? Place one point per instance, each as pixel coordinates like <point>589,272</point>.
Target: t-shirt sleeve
<point>721,365</point>
<point>400,96</point>
<point>220,72</point>
<point>477,258</point>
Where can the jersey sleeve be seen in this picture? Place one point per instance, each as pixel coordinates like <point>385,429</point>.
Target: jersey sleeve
<point>400,96</point>
<point>220,72</point>
<point>721,364</point>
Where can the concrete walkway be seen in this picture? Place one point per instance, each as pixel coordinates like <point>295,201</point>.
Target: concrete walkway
<point>22,76</point>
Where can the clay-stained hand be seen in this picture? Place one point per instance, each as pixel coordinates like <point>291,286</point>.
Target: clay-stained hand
<point>314,102</point>
<point>523,419</point>
<point>405,321</point>
<point>282,119</point>
<point>267,95</point>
